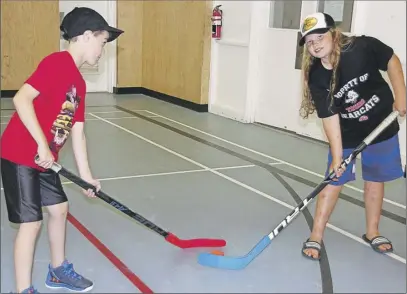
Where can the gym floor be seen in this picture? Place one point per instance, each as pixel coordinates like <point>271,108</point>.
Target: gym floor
<point>201,175</point>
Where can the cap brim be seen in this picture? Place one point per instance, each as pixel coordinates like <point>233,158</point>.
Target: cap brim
<point>317,31</point>
<point>114,33</point>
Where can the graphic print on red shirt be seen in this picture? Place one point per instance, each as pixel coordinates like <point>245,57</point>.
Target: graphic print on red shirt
<point>62,126</point>
<point>59,105</point>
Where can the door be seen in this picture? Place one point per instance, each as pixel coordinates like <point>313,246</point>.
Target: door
<point>98,78</point>
<point>279,98</point>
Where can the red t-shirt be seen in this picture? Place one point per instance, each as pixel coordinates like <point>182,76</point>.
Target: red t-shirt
<point>59,105</point>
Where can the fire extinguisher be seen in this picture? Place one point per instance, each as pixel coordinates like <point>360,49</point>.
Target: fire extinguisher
<point>217,22</point>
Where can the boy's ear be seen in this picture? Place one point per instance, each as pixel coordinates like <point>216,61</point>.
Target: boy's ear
<point>87,35</point>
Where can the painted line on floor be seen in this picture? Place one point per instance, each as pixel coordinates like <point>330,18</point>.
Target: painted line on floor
<point>99,112</point>
<point>104,112</point>
<point>172,173</point>
<point>339,230</point>
<point>267,156</point>
<point>115,118</point>
<point>111,111</point>
<point>95,119</point>
<point>144,175</point>
<point>111,118</point>
<point>133,278</point>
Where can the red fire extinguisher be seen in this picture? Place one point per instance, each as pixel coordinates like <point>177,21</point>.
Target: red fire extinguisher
<point>217,22</point>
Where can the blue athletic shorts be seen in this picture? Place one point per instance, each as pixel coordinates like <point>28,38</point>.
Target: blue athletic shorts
<point>381,162</point>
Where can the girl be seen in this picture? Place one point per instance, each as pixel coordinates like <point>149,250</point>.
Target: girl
<point>343,84</point>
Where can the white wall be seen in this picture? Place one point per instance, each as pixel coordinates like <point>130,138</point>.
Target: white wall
<point>247,77</point>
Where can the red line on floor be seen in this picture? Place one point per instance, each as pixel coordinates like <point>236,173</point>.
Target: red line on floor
<point>109,255</point>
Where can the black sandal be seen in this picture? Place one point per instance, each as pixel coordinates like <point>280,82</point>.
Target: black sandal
<point>312,245</point>
<point>377,241</point>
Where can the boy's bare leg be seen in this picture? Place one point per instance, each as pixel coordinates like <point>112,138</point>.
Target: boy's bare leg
<point>61,272</point>
<point>57,232</point>
<point>24,253</point>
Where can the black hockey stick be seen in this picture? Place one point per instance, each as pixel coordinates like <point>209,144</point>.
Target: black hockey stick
<point>169,237</point>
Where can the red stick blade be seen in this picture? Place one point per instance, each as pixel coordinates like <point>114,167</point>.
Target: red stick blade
<point>193,243</point>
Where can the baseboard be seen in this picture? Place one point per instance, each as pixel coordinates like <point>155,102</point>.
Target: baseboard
<point>161,96</point>
<point>227,112</point>
<point>127,90</point>
<point>8,93</point>
<point>140,90</point>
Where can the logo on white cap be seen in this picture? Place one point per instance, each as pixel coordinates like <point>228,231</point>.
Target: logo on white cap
<point>313,22</point>
<point>309,23</point>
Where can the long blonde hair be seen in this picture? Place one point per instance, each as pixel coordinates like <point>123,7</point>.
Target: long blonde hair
<point>340,43</point>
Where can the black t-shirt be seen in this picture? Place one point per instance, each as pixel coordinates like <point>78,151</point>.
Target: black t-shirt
<point>362,98</point>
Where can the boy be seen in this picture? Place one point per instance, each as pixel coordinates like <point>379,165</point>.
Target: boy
<point>343,83</point>
<point>49,106</point>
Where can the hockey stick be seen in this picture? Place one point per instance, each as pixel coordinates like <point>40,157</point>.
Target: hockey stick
<point>169,237</point>
<point>230,262</point>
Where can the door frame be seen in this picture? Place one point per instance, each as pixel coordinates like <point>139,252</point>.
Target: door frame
<point>112,48</point>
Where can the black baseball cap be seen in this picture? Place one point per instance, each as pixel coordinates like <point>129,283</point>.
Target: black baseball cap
<point>82,19</point>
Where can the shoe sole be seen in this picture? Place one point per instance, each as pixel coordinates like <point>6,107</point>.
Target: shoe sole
<point>69,289</point>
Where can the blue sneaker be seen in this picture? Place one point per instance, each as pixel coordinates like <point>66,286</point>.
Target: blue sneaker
<point>30,290</point>
<point>65,276</point>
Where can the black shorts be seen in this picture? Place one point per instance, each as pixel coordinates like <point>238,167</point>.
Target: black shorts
<point>27,190</point>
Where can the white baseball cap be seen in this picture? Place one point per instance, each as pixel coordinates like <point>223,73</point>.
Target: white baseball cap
<point>316,23</point>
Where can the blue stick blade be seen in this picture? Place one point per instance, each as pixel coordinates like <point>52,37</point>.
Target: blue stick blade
<point>233,263</point>
<point>225,262</point>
